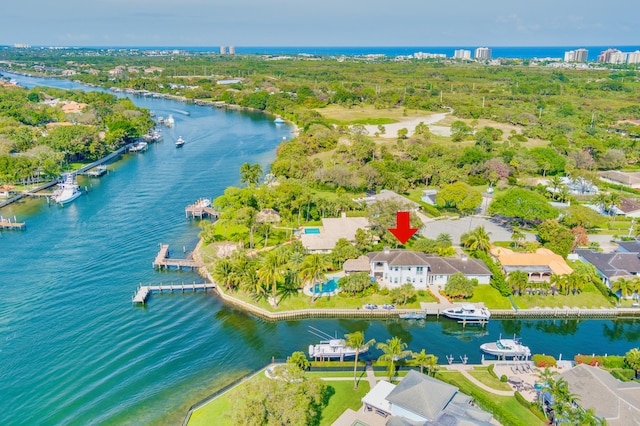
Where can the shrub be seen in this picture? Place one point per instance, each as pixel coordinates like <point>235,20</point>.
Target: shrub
<point>542,361</point>
<point>614,361</point>
<point>504,378</point>
<point>593,361</point>
<point>384,291</point>
<point>624,374</point>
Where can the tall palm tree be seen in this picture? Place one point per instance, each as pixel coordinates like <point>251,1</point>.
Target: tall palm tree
<point>614,201</point>
<point>478,239</point>
<point>222,272</point>
<point>356,341</point>
<point>602,199</point>
<point>559,282</point>
<point>250,174</point>
<point>271,270</point>
<point>624,286</point>
<point>518,280</point>
<point>632,358</point>
<point>424,359</point>
<point>394,349</point>
<point>313,267</point>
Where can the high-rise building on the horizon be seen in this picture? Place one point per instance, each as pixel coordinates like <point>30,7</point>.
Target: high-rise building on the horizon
<point>618,58</point>
<point>605,55</point>
<point>633,57</point>
<point>223,50</point>
<point>483,53</point>
<point>232,50</point>
<point>578,55</point>
<point>462,54</point>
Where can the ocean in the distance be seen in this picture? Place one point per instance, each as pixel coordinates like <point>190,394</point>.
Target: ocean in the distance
<point>522,52</point>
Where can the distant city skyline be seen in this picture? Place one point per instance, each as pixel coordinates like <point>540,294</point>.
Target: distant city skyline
<point>328,23</point>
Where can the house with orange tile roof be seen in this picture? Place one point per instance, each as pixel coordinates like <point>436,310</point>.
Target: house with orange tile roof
<point>539,265</point>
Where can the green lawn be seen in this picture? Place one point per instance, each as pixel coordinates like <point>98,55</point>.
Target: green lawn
<point>483,376</point>
<point>343,396</point>
<point>505,409</point>
<point>302,301</point>
<point>590,297</point>
<point>491,297</point>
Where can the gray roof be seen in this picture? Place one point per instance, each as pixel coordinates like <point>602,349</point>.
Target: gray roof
<point>361,264</point>
<point>627,205</point>
<point>630,246</point>
<point>423,395</point>
<point>612,264</point>
<point>399,257</point>
<point>617,402</point>
<point>451,265</point>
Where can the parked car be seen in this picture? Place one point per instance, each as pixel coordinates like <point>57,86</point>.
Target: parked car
<point>370,306</point>
<point>386,306</point>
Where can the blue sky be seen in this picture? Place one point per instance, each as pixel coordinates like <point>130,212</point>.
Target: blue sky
<point>321,23</point>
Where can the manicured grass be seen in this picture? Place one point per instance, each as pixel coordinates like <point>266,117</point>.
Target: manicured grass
<point>302,301</point>
<point>590,297</point>
<point>487,378</point>
<point>344,397</point>
<point>505,409</point>
<point>491,297</point>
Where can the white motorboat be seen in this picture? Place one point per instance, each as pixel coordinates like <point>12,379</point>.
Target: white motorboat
<point>331,347</point>
<point>278,120</point>
<point>169,121</point>
<point>506,348</point>
<point>467,312</point>
<point>140,146</point>
<point>180,142</point>
<point>67,191</point>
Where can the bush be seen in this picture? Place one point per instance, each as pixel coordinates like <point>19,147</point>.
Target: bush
<point>589,360</point>
<point>614,361</point>
<point>504,378</point>
<point>542,361</point>
<point>624,374</point>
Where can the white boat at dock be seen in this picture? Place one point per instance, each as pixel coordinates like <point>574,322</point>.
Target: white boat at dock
<point>331,347</point>
<point>506,348</point>
<point>67,191</point>
<point>467,312</point>
<point>152,136</point>
<point>180,142</point>
<point>140,146</point>
<point>414,316</point>
<point>169,121</point>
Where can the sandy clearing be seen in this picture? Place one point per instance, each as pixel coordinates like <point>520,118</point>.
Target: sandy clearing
<point>391,130</point>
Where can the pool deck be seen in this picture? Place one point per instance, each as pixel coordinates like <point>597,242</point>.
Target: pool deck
<point>307,288</point>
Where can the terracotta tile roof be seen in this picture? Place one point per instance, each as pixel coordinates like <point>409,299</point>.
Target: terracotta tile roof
<point>542,257</point>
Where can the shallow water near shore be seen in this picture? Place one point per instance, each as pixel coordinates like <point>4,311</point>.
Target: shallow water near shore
<point>73,350</point>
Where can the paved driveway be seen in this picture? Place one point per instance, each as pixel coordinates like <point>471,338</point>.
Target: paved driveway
<point>457,227</point>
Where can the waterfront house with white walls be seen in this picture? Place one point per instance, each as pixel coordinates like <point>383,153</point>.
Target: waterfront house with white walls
<point>393,268</point>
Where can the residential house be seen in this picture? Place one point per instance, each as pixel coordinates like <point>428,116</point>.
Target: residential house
<point>623,263</point>
<point>388,195</point>
<point>630,179</point>
<point>627,207</point>
<point>539,265</point>
<point>429,196</point>
<point>612,400</point>
<point>394,268</point>
<point>422,400</point>
<point>323,239</point>
<point>361,264</point>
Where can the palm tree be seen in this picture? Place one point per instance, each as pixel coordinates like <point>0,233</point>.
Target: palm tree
<point>555,183</point>
<point>614,201</point>
<point>517,237</point>
<point>222,272</point>
<point>518,281</point>
<point>250,174</point>
<point>444,239</point>
<point>356,341</point>
<point>624,286</point>
<point>424,359</point>
<point>632,358</point>
<point>313,267</point>
<point>559,282</point>
<point>393,350</point>
<point>478,239</point>
<point>601,199</point>
<point>271,270</point>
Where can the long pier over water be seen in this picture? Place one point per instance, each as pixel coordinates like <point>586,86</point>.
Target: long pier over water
<point>145,290</point>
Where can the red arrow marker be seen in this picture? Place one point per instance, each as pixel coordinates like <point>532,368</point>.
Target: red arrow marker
<point>402,231</point>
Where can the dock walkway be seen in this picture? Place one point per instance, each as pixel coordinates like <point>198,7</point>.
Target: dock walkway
<point>200,209</point>
<point>163,260</point>
<point>15,225</point>
<point>145,290</point>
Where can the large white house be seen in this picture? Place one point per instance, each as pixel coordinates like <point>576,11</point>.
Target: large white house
<point>392,268</point>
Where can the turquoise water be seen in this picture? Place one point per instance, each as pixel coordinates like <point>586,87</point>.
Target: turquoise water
<point>74,351</point>
<point>328,287</point>
<point>313,231</point>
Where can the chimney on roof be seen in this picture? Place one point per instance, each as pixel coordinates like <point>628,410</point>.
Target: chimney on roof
<point>387,250</point>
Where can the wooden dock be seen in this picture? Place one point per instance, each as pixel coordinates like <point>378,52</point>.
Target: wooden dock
<point>144,291</point>
<point>200,209</point>
<point>163,260</point>
<point>15,225</point>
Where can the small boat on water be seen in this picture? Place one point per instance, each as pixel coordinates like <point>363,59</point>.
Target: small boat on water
<point>180,142</point>
<point>414,315</point>
<point>169,121</point>
<point>278,120</point>
<point>467,312</point>
<point>67,191</point>
<point>152,136</point>
<point>140,146</point>
<point>506,348</point>
<point>331,347</point>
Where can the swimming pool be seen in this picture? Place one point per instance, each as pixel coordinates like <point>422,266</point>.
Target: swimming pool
<point>328,287</point>
<point>311,230</point>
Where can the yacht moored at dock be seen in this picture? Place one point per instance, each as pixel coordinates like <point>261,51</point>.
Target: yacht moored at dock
<point>506,348</point>
<point>467,312</point>
<point>67,191</point>
<point>139,146</point>
<point>331,347</point>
